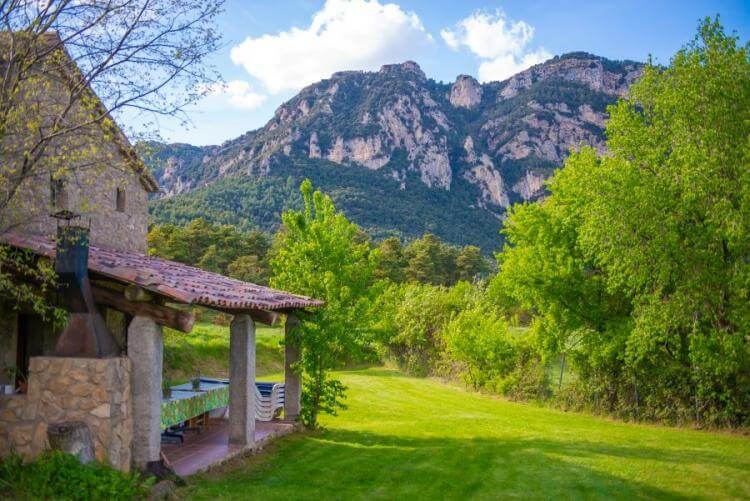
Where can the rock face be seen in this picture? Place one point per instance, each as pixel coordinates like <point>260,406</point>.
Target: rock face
<point>497,140</point>
<point>466,92</point>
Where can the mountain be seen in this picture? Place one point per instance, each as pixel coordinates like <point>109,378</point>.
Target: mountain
<point>400,153</point>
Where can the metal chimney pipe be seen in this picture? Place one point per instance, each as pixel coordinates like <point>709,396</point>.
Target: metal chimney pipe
<point>86,334</point>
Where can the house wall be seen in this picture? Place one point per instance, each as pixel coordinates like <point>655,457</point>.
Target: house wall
<point>92,193</point>
<point>95,391</point>
<point>91,162</point>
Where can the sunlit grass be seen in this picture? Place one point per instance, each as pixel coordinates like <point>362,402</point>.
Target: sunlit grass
<point>410,438</point>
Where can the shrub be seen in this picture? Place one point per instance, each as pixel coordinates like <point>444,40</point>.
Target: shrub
<point>57,475</point>
<point>414,316</point>
<point>479,340</point>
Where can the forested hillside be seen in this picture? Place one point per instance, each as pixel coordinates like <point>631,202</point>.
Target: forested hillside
<point>399,153</point>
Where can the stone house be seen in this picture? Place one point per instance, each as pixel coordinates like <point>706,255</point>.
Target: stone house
<point>104,368</point>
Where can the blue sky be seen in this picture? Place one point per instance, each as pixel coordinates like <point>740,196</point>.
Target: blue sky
<point>274,48</point>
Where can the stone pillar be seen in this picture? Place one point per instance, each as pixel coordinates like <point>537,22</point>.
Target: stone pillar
<point>292,380</point>
<point>146,350</point>
<point>242,381</point>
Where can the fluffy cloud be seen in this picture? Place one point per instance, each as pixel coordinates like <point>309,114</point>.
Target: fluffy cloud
<point>237,93</point>
<point>500,44</point>
<point>343,35</point>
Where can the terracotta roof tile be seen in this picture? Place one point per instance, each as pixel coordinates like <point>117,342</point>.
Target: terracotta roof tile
<point>178,282</point>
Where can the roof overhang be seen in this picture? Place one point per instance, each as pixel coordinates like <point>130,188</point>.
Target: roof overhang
<point>174,281</point>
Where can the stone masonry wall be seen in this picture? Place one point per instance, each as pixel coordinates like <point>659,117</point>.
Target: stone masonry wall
<point>95,391</point>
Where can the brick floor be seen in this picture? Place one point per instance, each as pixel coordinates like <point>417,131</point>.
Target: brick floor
<point>211,446</point>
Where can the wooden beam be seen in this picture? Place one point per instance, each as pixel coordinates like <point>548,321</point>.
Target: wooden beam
<point>265,317</point>
<point>138,294</point>
<point>163,315</point>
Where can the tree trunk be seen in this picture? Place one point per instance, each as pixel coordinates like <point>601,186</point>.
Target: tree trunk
<point>73,437</point>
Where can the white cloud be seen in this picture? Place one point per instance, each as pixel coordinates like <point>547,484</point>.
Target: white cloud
<point>237,93</point>
<point>343,35</point>
<point>500,44</point>
<point>502,67</point>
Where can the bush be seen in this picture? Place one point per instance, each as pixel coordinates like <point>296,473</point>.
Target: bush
<point>479,340</point>
<point>57,475</point>
<point>413,317</point>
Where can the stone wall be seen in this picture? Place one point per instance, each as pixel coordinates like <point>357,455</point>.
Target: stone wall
<point>91,163</point>
<point>95,391</point>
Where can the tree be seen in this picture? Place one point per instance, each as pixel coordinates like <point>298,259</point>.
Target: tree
<point>218,248</point>
<point>144,58</point>
<point>430,261</point>
<point>392,261</point>
<point>658,228</point>
<point>249,268</point>
<point>69,68</point>
<point>470,263</point>
<point>319,254</point>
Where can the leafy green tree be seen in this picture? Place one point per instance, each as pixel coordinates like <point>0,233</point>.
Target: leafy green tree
<point>470,263</point>
<point>430,261</point>
<point>392,262</point>
<point>249,268</point>
<point>646,264</point>
<point>214,248</point>
<point>412,319</point>
<point>319,254</point>
<point>52,55</point>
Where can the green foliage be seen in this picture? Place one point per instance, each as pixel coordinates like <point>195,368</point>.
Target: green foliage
<point>219,248</point>
<point>56,475</point>
<point>427,260</point>
<point>412,317</point>
<point>27,280</point>
<point>392,262</point>
<point>479,339</point>
<point>637,263</point>
<point>430,261</point>
<point>321,254</point>
<point>457,332</point>
<point>257,202</point>
<point>206,350</point>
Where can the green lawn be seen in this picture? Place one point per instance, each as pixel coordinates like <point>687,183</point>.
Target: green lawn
<point>410,438</point>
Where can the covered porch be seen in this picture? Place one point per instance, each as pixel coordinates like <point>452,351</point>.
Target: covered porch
<point>148,293</point>
<point>201,451</point>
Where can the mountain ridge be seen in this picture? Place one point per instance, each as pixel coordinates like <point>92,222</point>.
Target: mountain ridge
<point>486,145</point>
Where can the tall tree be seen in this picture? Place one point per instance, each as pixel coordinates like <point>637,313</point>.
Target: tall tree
<point>470,263</point>
<point>662,220</point>
<point>68,69</point>
<point>392,261</point>
<point>320,254</point>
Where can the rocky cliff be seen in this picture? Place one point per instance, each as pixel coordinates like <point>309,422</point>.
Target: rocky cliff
<point>494,143</point>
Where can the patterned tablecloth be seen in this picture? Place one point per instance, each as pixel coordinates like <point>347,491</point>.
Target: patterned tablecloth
<point>186,402</point>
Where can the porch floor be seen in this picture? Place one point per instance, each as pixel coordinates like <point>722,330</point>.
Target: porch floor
<point>211,446</point>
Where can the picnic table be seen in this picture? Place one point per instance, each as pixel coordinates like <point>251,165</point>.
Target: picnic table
<point>186,402</point>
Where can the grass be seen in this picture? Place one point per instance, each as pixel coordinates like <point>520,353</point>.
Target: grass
<point>410,438</point>
<point>206,349</point>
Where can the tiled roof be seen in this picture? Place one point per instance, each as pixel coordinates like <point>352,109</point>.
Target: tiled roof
<point>178,282</point>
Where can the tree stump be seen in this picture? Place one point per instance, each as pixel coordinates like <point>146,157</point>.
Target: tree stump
<point>73,437</point>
